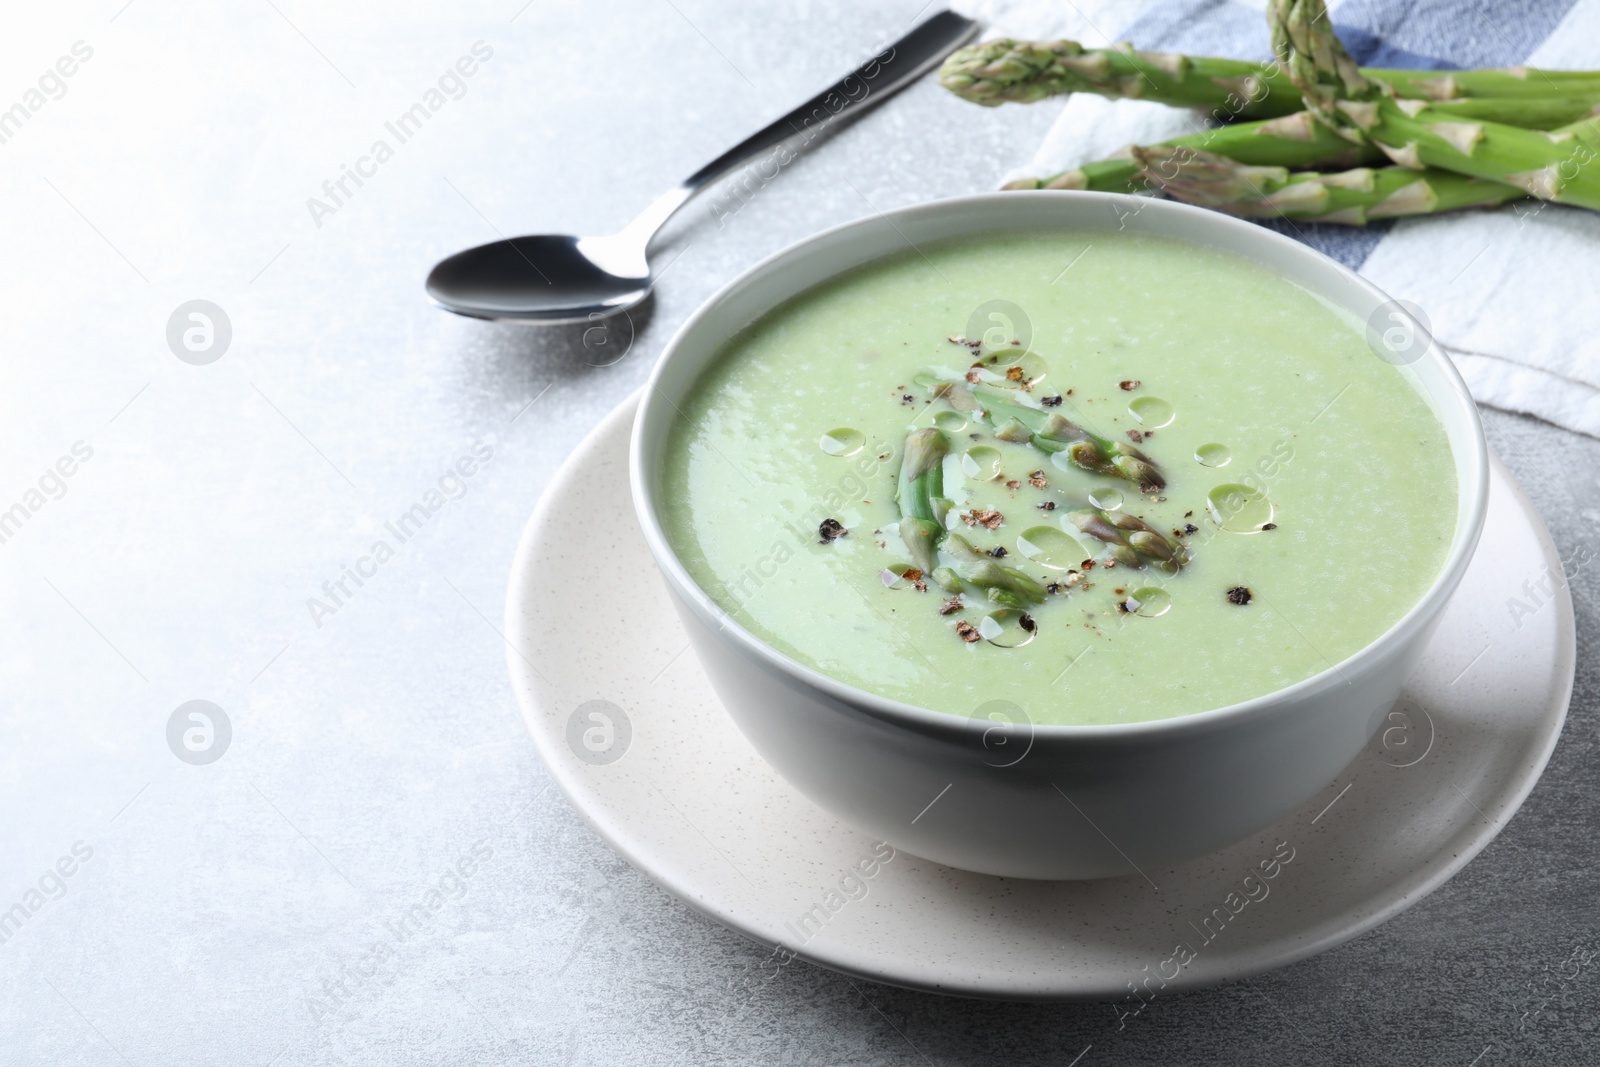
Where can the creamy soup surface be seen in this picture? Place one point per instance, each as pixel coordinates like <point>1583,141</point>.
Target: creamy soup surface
<point>1152,480</point>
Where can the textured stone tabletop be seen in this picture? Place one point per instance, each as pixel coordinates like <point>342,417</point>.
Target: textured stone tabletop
<point>200,506</point>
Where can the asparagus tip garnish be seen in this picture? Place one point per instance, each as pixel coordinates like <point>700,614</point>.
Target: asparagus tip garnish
<point>1053,432</point>
<point>921,495</point>
<point>925,449</point>
<point>1133,542</point>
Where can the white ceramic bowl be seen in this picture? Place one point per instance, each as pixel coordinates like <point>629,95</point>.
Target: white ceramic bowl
<point>1085,801</point>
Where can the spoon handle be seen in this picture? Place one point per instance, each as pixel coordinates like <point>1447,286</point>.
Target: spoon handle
<point>894,68</point>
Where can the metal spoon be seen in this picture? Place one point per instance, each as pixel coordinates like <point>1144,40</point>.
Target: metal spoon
<point>551,278</point>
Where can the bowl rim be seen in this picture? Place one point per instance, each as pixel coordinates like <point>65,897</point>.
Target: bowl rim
<point>1472,495</point>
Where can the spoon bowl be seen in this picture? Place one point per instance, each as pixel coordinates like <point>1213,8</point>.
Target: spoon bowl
<point>547,280</point>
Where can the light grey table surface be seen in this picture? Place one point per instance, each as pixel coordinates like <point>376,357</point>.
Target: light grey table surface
<point>229,912</point>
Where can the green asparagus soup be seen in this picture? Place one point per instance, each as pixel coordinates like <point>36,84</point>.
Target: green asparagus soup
<point>1105,478</point>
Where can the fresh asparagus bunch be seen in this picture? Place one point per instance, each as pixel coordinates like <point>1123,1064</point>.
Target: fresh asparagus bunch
<point>1006,70</point>
<point>1410,132</point>
<point>1320,122</point>
<point>1353,197</point>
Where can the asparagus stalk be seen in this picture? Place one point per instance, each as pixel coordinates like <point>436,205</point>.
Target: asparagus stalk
<point>1353,197</point>
<point>1413,135</point>
<point>921,495</point>
<point>1298,140</point>
<point>1586,131</point>
<point>1529,112</point>
<point>1006,70</point>
<point>1133,542</point>
<point>1003,70</point>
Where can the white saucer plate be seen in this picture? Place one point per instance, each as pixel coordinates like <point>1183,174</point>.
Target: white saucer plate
<point>634,736</point>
